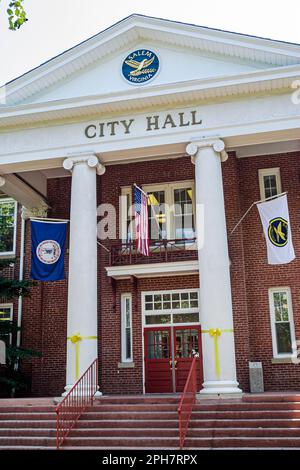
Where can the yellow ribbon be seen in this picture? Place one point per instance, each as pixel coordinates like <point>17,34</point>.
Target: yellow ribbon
<point>215,333</point>
<point>75,339</point>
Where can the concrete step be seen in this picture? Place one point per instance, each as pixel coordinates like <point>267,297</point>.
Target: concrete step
<point>242,423</point>
<point>276,397</point>
<point>32,416</point>
<point>114,407</point>
<point>27,409</point>
<point>244,432</point>
<point>134,415</point>
<point>28,432</point>
<point>124,442</point>
<point>27,424</point>
<point>247,414</point>
<point>28,441</point>
<point>242,442</point>
<point>240,406</point>
<point>138,399</point>
<point>140,423</point>
<point>126,432</point>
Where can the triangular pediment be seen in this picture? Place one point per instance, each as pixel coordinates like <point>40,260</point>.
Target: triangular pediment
<point>176,65</point>
<point>186,53</point>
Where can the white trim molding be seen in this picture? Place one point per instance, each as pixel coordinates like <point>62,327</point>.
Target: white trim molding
<point>176,268</point>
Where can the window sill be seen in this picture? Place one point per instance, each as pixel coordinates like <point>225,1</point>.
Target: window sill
<point>10,255</point>
<point>282,360</point>
<point>126,365</point>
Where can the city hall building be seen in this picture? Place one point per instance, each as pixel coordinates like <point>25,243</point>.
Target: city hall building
<point>203,120</point>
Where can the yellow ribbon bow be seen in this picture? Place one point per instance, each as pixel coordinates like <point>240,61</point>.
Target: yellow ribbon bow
<point>215,333</point>
<point>75,339</point>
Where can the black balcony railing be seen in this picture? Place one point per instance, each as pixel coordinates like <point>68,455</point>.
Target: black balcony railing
<point>160,251</point>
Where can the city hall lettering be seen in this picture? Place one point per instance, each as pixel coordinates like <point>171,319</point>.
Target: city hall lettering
<point>154,122</point>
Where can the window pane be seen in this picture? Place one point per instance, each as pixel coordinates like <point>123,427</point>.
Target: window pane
<point>157,215</point>
<point>148,298</point>
<point>270,185</point>
<point>128,344</point>
<point>7,225</point>
<point>184,218</point>
<point>283,335</point>
<point>5,313</point>
<point>186,317</point>
<point>157,319</point>
<point>158,344</point>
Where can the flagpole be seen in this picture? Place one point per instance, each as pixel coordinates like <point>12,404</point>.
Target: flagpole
<point>145,194</point>
<point>253,204</point>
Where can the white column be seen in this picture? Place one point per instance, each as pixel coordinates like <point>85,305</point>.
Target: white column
<point>215,289</point>
<point>82,345</point>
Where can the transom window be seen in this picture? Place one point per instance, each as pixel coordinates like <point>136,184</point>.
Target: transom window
<point>171,307</point>
<point>269,182</point>
<point>8,216</point>
<point>282,324</point>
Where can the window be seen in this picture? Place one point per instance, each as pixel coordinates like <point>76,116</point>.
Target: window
<point>171,211</point>
<point>6,314</point>
<point>269,182</point>
<point>126,328</point>
<point>171,307</point>
<point>283,333</point>
<point>8,218</point>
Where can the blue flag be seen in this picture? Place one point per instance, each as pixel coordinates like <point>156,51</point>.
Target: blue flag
<point>47,250</point>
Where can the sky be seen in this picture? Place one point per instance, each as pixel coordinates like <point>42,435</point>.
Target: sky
<point>56,25</point>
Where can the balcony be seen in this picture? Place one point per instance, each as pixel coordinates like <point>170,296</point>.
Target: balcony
<point>160,251</point>
<point>166,257</point>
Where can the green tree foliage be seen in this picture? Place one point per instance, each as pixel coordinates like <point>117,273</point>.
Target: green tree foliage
<point>16,14</point>
<point>11,378</point>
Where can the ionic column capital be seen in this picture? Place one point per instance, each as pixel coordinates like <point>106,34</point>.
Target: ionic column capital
<point>217,144</point>
<point>89,158</point>
<point>40,212</point>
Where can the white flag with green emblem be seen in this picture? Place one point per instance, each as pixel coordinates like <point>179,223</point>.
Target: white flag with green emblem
<point>275,219</point>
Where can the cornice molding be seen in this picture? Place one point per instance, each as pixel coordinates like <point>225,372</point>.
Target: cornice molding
<point>171,94</point>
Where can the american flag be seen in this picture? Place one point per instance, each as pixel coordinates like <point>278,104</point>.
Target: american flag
<point>141,221</point>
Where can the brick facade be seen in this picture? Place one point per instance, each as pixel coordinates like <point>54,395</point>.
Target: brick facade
<point>45,317</point>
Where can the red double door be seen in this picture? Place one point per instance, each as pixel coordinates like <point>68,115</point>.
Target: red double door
<point>168,356</point>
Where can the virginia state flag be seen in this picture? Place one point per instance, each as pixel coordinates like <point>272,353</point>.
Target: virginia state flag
<point>275,219</point>
<point>47,250</point>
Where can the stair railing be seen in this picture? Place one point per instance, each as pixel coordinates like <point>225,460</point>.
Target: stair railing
<point>187,402</point>
<point>75,402</point>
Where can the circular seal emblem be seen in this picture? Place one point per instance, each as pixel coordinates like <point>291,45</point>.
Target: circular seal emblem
<point>278,231</point>
<point>48,251</point>
<point>140,66</point>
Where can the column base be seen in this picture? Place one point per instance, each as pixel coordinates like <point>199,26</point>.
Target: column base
<point>68,388</point>
<point>220,389</point>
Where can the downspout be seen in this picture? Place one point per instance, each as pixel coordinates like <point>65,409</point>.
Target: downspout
<point>21,275</point>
